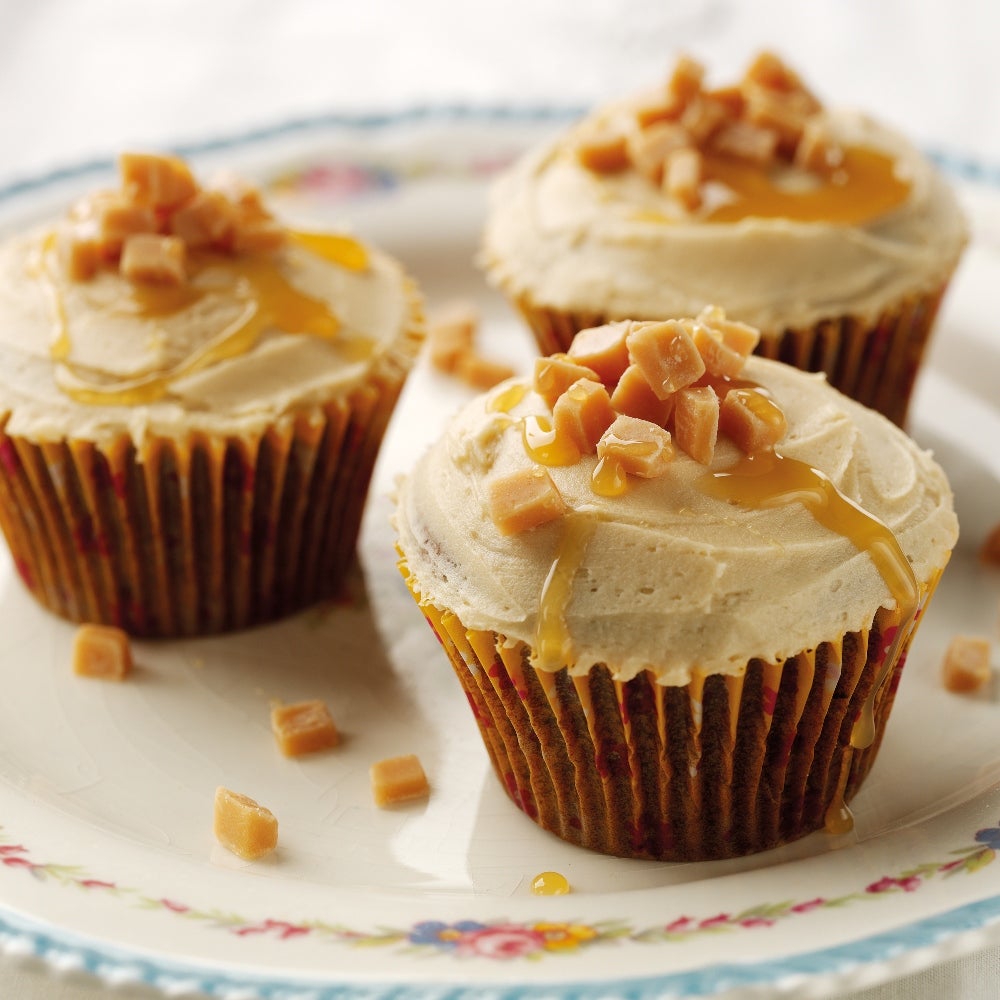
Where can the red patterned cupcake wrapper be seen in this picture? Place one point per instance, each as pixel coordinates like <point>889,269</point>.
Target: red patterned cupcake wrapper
<point>721,767</point>
<point>196,535</point>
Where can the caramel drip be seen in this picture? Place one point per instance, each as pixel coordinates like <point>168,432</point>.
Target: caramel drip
<point>806,666</point>
<point>863,186</point>
<point>504,402</point>
<point>609,479</point>
<point>511,659</point>
<point>550,884</point>
<point>734,691</point>
<point>626,721</point>
<point>38,268</point>
<point>696,694</point>
<point>582,685</point>
<point>545,446</point>
<point>769,480</point>
<point>267,299</point>
<point>659,697</point>
<point>772,681</point>
<point>547,681</point>
<point>553,644</point>
<point>838,818</point>
<point>834,668</point>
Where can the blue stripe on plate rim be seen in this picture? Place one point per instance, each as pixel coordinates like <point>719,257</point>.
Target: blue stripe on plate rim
<point>64,950</point>
<point>957,164</point>
<point>68,952</point>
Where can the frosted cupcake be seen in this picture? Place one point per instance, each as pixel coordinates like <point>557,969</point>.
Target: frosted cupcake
<point>677,586</point>
<point>192,397</point>
<point>827,231</point>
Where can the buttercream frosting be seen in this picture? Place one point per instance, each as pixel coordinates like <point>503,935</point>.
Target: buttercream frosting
<point>673,579</point>
<point>616,245</point>
<point>112,339</point>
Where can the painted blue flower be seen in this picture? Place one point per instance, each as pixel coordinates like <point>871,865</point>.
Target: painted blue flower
<point>990,837</point>
<point>443,935</point>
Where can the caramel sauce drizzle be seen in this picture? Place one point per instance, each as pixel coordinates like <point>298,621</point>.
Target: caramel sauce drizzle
<point>268,300</point>
<point>545,446</point>
<point>609,478</point>
<point>553,643</point>
<point>863,186</point>
<point>768,480</point>
<point>504,402</point>
<point>838,818</point>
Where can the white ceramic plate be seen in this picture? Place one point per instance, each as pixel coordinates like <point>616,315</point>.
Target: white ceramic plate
<point>107,860</point>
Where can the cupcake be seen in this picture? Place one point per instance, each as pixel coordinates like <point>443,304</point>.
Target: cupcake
<point>828,232</point>
<point>677,585</point>
<point>192,397</point>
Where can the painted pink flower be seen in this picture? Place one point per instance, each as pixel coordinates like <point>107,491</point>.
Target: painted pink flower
<point>95,883</point>
<point>888,884</point>
<point>16,861</point>
<point>169,904</point>
<point>284,929</point>
<point>6,849</point>
<point>717,921</point>
<point>680,924</point>
<point>501,941</point>
<point>756,922</point>
<point>809,904</point>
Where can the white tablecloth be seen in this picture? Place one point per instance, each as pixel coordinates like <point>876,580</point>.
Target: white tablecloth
<point>81,80</point>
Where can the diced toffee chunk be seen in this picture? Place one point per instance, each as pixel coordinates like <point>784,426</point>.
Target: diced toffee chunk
<point>602,349</point>
<point>682,177</point>
<point>633,396</point>
<point>102,652</point>
<point>303,727</point>
<point>398,779</point>
<point>556,373</point>
<point>696,422</point>
<point>966,666</point>
<point>242,826</point>
<point>450,336</point>
<point>162,182</point>
<point>482,373</point>
<point>754,422</point>
<point>641,448</point>
<point>147,257</point>
<point>582,414</point>
<point>523,500</point>
<point>603,152</point>
<point>666,355</point>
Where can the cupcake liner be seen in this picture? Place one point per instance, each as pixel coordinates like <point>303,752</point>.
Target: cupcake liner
<point>873,361</point>
<point>721,767</point>
<point>196,535</point>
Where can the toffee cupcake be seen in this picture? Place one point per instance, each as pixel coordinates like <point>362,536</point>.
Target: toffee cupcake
<point>827,231</point>
<point>677,589</point>
<point>192,397</point>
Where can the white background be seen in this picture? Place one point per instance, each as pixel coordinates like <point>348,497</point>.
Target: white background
<point>82,80</point>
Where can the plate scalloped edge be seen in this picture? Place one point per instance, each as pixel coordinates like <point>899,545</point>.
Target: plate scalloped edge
<point>978,922</point>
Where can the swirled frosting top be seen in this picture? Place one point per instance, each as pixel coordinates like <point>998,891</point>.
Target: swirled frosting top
<point>776,245</point>
<point>240,340</point>
<point>673,575</point>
